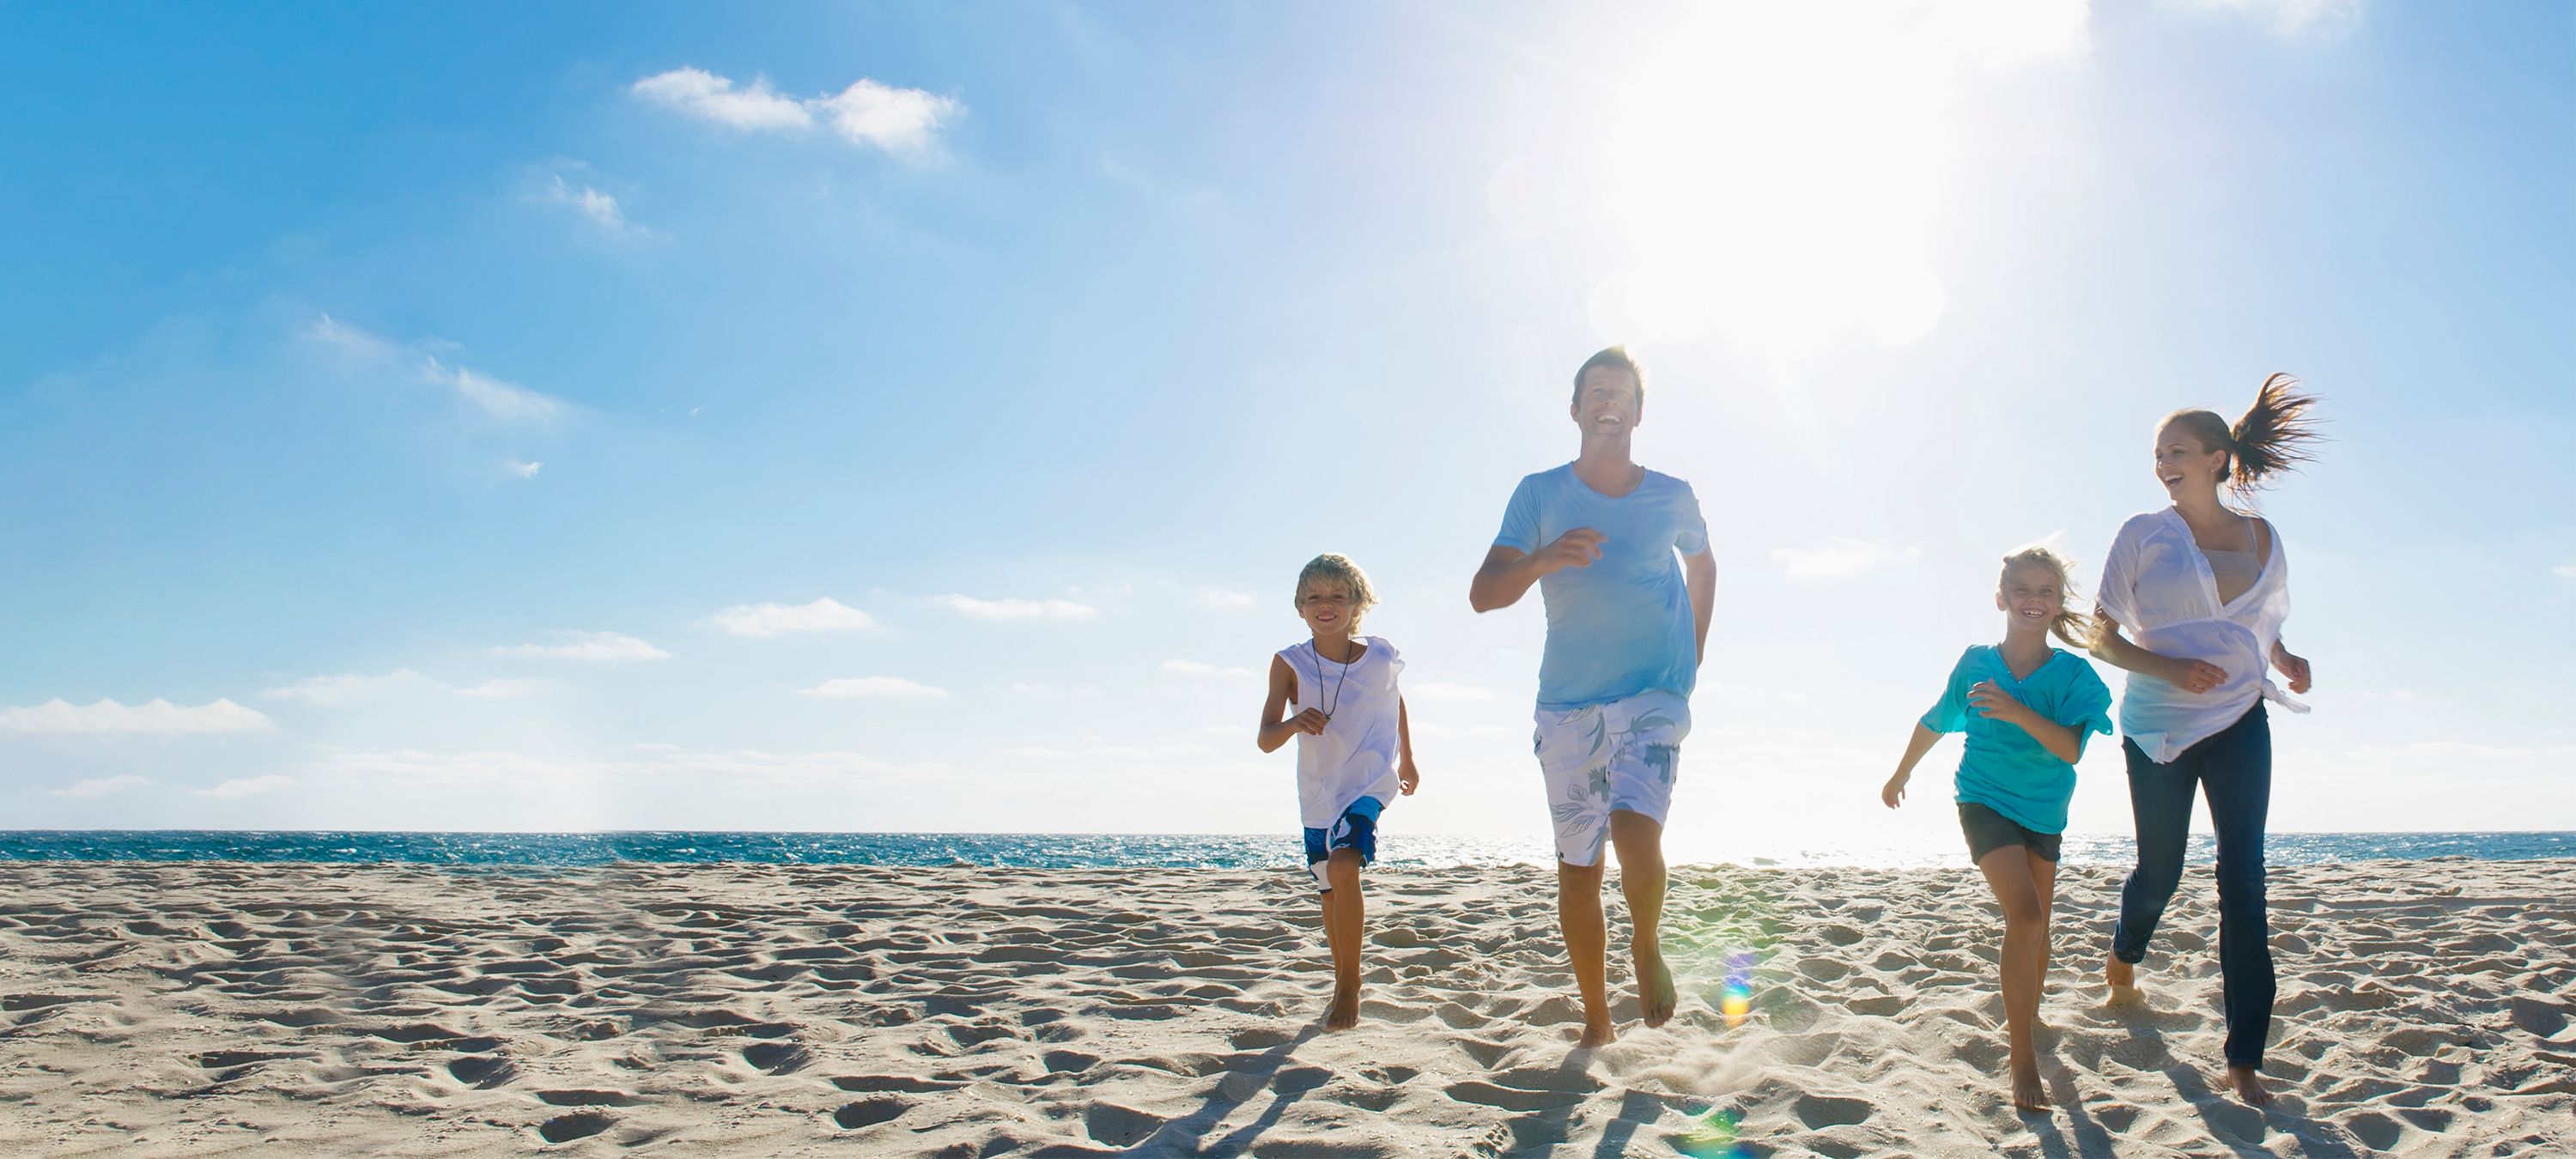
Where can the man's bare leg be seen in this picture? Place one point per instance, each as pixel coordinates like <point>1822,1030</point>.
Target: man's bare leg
<point>2008,873</point>
<point>1587,943</point>
<point>1343,910</point>
<point>1640,841</point>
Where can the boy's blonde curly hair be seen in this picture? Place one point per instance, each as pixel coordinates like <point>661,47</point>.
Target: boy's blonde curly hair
<point>1338,569</point>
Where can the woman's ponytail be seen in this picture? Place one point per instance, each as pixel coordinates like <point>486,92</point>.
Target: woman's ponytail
<point>2273,436</point>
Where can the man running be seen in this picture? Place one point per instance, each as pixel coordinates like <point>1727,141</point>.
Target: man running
<point>1627,623</point>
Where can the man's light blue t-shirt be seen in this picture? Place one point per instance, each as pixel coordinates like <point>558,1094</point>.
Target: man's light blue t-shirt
<point>1621,625</point>
<point>2004,768</point>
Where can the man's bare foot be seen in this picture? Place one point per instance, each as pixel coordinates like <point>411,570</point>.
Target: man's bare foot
<point>2029,1094</point>
<point>2123,978</point>
<point>1345,1011</point>
<point>1596,1034</point>
<point>2249,1086</point>
<point>1655,990</point>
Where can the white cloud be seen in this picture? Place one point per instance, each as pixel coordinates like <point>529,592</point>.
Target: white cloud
<point>342,689</point>
<point>856,686</point>
<point>901,121</point>
<point>411,767</point>
<point>1434,690</point>
<point>1017,609</point>
<point>600,208</point>
<point>2564,571</point>
<point>247,786</point>
<point>594,647</point>
<point>1025,689</point>
<point>823,615</point>
<point>158,717</point>
<point>506,687</point>
<point>99,786</point>
<point>1221,598</point>
<point>1194,668</point>
<point>525,470</point>
<point>502,400</point>
<point>904,122</point>
<point>2003,33</point>
<point>1836,556</point>
<point>2287,17</point>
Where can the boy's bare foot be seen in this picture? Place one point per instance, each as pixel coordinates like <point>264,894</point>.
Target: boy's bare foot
<point>2029,1094</point>
<point>1345,1010</point>
<point>2123,978</point>
<point>1655,989</point>
<point>1596,1033</point>
<point>2249,1086</point>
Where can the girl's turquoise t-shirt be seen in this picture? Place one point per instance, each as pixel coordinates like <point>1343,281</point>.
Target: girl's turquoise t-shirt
<point>2004,768</point>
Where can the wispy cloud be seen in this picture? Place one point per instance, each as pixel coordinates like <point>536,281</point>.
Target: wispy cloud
<point>342,689</point>
<point>506,687</point>
<point>859,686</point>
<point>902,122</point>
<point>592,647</point>
<point>502,400</point>
<point>1435,690</point>
<point>587,199</point>
<point>1222,598</point>
<point>1017,609</point>
<point>2287,17</point>
<point>156,717</point>
<point>525,470</point>
<point>99,786</point>
<point>2565,571</point>
<point>248,786</point>
<point>763,620</point>
<point>1195,668</point>
<point>1834,557</point>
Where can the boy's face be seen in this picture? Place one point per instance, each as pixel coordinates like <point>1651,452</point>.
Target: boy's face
<point>1327,607</point>
<point>1607,403</point>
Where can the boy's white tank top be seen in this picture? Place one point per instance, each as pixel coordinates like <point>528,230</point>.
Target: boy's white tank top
<point>1355,757</point>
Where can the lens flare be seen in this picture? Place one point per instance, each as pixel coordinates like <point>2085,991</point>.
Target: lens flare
<point>1736,1000</point>
<point>1713,1136</point>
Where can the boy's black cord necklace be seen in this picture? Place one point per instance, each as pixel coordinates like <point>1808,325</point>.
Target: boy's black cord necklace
<point>1340,680</point>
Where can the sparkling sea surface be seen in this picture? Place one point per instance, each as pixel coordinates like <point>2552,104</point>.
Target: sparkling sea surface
<point>1132,850</point>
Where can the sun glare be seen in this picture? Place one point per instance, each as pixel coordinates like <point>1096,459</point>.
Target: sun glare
<point>1774,174</point>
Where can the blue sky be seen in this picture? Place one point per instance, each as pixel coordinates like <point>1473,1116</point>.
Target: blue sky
<point>451,417</point>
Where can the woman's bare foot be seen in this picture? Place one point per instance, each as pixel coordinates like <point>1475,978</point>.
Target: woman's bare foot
<point>1655,994</point>
<point>2249,1086</point>
<point>1597,1034</point>
<point>2029,1094</point>
<point>1345,1010</point>
<point>2123,978</point>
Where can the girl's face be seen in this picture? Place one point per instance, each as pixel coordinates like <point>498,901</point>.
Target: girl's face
<point>2184,465</point>
<point>1327,607</point>
<point>2031,598</point>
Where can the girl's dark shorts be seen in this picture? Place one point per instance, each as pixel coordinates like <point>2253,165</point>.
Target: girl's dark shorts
<point>1988,831</point>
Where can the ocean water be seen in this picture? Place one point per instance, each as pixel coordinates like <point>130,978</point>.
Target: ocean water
<point>1129,850</point>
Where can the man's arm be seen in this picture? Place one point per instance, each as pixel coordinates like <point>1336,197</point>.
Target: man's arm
<point>1699,574</point>
<point>1509,572</point>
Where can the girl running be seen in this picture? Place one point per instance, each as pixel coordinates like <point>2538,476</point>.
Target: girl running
<point>2026,708</point>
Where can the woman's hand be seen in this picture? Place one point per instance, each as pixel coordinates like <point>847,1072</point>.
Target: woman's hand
<point>1894,792</point>
<point>2193,675</point>
<point>2291,666</point>
<point>1993,703</point>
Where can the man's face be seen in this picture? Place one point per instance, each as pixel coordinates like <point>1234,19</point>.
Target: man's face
<point>1607,402</point>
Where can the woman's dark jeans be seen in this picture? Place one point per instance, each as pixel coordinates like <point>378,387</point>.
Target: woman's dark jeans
<point>2234,771</point>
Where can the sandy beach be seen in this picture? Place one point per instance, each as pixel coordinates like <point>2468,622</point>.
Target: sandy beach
<point>2427,1008</point>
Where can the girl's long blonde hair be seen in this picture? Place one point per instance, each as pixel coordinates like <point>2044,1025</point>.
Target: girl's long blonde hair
<point>2072,626</point>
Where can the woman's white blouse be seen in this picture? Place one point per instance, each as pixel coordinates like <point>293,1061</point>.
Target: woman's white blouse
<point>2158,585</point>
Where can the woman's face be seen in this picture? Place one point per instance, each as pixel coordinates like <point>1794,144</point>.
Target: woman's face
<point>2184,464</point>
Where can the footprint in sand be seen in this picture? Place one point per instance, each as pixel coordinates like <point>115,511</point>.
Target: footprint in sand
<point>482,1073</point>
<point>587,1098</point>
<point>566,1128</point>
<point>1821,1111</point>
<point>1116,1126</point>
<point>777,1057</point>
<point>870,1112</point>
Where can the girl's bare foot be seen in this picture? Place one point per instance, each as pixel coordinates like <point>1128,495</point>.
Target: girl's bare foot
<point>1655,994</point>
<point>1597,1033</point>
<point>2249,1086</point>
<point>2123,978</point>
<point>1345,1011</point>
<point>2029,1094</point>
